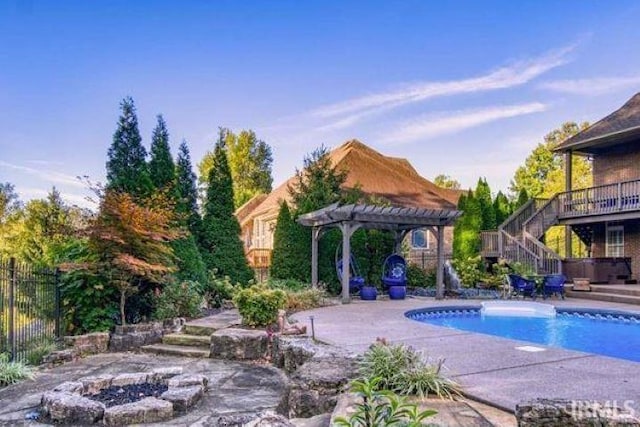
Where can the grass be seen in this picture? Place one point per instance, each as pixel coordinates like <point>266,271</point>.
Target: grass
<point>13,372</point>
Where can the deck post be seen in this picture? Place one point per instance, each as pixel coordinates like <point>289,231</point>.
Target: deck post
<point>568,175</point>
<point>440,266</point>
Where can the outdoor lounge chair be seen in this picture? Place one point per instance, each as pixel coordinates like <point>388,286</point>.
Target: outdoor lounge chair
<point>394,271</point>
<point>553,284</point>
<point>356,281</point>
<point>522,286</point>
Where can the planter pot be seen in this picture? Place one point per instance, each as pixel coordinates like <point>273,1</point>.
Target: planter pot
<point>397,292</point>
<point>368,293</point>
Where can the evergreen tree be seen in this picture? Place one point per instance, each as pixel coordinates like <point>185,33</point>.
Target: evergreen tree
<point>458,228</point>
<point>126,167</point>
<point>161,166</point>
<point>221,231</point>
<point>501,207</point>
<point>523,198</point>
<point>483,197</point>
<point>286,256</point>
<point>187,192</point>
<point>467,235</point>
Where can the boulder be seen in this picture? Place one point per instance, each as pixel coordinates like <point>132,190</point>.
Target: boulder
<point>148,410</point>
<point>130,378</point>
<point>73,387</point>
<point>186,380</point>
<point>93,384</point>
<point>93,343</point>
<point>315,386</point>
<point>573,413</point>
<point>239,344</point>
<point>183,398</point>
<point>68,408</point>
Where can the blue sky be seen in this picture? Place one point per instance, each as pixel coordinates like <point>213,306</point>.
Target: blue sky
<point>462,88</point>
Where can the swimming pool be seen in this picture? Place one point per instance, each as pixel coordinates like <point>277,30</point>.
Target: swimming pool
<point>605,332</point>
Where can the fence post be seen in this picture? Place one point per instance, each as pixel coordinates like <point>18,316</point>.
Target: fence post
<point>58,314</point>
<point>13,280</point>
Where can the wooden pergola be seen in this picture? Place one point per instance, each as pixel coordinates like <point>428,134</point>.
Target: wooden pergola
<point>399,220</point>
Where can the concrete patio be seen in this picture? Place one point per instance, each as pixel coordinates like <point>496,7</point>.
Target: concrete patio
<point>490,368</point>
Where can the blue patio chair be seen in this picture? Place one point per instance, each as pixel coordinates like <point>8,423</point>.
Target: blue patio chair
<point>394,271</point>
<point>553,284</point>
<point>522,287</point>
<point>356,281</point>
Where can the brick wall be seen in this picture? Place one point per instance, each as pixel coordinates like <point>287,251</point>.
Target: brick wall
<point>631,244</point>
<point>621,163</point>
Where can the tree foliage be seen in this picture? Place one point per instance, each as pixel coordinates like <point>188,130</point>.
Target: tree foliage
<point>483,197</point>
<point>445,181</point>
<point>542,174</point>
<point>466,238</point>
<point>286,257</point>
<point>161,166</point>
<point>223,249</point>
<point>501,207</point>
<point>127,169</point>
<point>250,161</point>
<point>9,201</point>
<point>187,204</point>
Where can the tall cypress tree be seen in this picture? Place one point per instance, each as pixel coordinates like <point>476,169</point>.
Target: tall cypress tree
<point>501,207</point>
<point>285,261</point>
<point>221,232</point>
<point>161,166</point>
<point>483,197</point>
<point>127,167</point>
<point>187,190</point>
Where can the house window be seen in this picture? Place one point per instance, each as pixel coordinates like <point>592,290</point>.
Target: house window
<point>615,241</point>
<point>420,239</point>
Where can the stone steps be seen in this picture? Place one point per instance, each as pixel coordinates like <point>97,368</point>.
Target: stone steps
<point>187,340</point>
<point>177,350</point>
<point>633,291</point>
<point>201,330</point>
<point>604,296</point>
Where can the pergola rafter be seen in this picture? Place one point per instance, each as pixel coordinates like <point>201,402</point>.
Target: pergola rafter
<point>400,220</point>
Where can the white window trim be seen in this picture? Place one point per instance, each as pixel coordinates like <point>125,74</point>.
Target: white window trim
<point>427,238</point>
<point>608,243</point>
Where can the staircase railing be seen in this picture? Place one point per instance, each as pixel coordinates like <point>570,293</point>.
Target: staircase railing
<point>514,251</point>
<point>548,262</point>
<point>542,219</point>
<point>513,225</point>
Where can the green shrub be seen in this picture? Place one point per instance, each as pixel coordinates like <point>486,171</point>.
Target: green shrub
<point>219,289</point>
<point>258,305</point>
<point>287,284</point>
<point>468,270</point>
<point>403,371</point>
<point>418,278</point>
<point>38,351</point>
<point>178,300</point>
<point>381,408</point>
<point>13,372</point>
<point>305,299</point>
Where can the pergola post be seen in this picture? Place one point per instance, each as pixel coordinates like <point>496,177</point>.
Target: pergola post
<point>315,236</point>
<point>347,230</point>
<point>440,265</point>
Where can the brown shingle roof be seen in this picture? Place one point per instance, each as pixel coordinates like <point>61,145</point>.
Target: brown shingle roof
<point>389,177</point>
<point>616,126</point>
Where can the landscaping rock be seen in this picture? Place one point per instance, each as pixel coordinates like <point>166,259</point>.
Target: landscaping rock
<point>165,373</point>
<point>94,343</point>
<point>291,352</point>
<point>129,378</point>
<point>74,387</point>
<point>315,386</point>
<point>572,413</point>
<point>60,356</point>
<point>186,380</point>
<point>148,410</point>
<point>270,419</point>
<point>239,344</point>
<point>183,398</point>
<point>71,408</point>
<point>93,384</point>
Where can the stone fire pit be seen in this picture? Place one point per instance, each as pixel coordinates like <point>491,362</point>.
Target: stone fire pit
<point>130,398</point>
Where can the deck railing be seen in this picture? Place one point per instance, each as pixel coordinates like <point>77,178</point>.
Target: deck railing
<point>490,244</point>
<point>259,257</point>
<point>603,199</point>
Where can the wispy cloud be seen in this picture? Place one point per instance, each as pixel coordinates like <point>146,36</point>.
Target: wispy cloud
<point>50,176</point>
<point>80,200</point>
<point>431,126</point>
<point>591,86</point>
<point>346,113</point>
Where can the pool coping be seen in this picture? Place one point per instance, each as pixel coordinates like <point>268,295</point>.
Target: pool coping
<point>489,367</point>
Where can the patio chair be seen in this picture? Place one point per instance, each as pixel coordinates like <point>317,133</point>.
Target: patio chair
<point>522,287</point>
<point>553,284</point>
<point>394,271</point>
<point>356,281</point>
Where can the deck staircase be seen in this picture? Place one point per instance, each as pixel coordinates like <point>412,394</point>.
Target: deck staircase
<point>194,340</point>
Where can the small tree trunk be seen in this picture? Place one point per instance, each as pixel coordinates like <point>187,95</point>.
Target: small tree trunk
<point>123,298</point>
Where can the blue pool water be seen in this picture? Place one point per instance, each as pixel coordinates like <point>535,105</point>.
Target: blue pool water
<point>608,333</point>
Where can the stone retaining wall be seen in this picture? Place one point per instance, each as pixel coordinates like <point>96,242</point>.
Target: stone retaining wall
<point>132,337</point>
<point>573,413</point>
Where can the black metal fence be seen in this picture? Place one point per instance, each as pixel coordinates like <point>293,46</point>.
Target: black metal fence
<point>29,308</point>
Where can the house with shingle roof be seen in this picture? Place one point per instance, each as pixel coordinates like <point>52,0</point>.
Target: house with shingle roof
<point>389,178</point>
<point>606,217</point>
